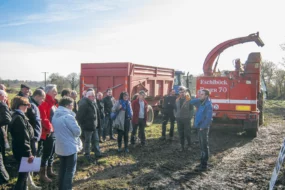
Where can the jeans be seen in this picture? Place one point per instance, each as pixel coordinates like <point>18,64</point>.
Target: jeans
<point>21,183</point>
<point>67,170</point>
<point>108,127</point>
<point>47,147</point>
<point>89,137</point>
<point>124,133</point>
<point>141,124</point>
<point>203,135</point>
<point>166,118</point>
<point>184,131</point>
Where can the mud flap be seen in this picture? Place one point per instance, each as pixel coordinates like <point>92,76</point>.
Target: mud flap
<point>251,128</point>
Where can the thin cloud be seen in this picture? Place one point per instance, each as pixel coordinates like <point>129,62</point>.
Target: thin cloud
<point>57,11</point>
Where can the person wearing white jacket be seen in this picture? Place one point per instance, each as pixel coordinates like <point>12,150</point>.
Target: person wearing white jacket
<point>68,143</point>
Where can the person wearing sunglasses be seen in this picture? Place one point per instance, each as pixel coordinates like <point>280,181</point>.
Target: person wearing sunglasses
<point>22,133</point>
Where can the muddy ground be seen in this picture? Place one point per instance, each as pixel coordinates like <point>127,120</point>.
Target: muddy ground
<point>237,161</point>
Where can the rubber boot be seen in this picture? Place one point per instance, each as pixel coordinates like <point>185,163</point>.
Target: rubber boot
<point>43,175</point>
<point>50,172</point>
<point>31,184</point>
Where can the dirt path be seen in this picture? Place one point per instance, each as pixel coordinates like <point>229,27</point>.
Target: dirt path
<point>236,162</point>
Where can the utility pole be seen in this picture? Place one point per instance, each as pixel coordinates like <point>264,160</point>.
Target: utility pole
<point>45,78</point>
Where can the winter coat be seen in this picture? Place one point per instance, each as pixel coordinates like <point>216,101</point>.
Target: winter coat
<point>184,111</point>
<point>109,102</point>
<point>47,109</point>
<point>124,113</point>
<point>22,133</point>
<point>203,118</point>
<point>34,117</point>
<point>5,115</point>
<point>66,131</point>
<point>100,105</point>
<point>88,115</point>
<point>169,104</point>
<point>136,111</point>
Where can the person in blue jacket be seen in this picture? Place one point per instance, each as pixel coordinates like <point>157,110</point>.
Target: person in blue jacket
<point>203,122</point>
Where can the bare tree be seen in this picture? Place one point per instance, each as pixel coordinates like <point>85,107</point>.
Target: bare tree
<point>59,80</point>
<point>279,81</point>
<point>73,79</point>
<point>268,69</point>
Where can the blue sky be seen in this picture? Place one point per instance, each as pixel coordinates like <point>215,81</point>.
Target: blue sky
<point>59,35</point>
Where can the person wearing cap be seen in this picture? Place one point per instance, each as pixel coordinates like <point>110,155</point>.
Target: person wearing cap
<point>203,120</point>
<point>139,119</point>
<point>109,102</point>
<point>184,113</point>
<point>25,90</point>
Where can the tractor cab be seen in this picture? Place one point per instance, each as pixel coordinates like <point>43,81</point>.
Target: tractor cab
<point>178,80</point>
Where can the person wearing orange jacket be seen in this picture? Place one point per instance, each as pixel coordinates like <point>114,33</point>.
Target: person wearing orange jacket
<point>47,142</point>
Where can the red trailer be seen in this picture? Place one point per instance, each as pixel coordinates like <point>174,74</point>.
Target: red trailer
<point>236,95</point>
<point>130,77</point>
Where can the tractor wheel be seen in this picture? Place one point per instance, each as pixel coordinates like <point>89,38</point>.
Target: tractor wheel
<point>150,116</point>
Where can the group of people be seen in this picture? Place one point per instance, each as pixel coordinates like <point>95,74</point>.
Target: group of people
<point>181,109</point>
<point>41,125</point>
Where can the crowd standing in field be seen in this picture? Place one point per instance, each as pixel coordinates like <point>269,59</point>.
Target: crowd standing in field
<point>42,126</point>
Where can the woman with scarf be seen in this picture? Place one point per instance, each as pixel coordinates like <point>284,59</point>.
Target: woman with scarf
<point>124,114</point>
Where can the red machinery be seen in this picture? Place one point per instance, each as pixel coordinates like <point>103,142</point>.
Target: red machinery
<point>236,95</point>
<point>129,77</point>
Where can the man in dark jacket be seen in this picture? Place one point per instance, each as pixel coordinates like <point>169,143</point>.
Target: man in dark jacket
<point>109,102</point>
<point>34,116</point>
<point>168,114</point>
<point>203,120</point>
<point>100,105</point>
<point>184,112</point>
<point>5,118</point>
<point>140,109</point>
<point>88,119</point>
<point>24,91</point>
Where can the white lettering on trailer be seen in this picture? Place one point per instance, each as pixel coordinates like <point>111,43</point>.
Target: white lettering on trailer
<point>214,82</point>
<point>219,89</point>
<point>228,101</point>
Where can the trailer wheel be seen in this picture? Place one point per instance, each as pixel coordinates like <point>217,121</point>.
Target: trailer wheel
<point>150,116</point>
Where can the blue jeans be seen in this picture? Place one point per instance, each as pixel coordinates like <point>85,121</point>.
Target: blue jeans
<point>89,137</point>
<point>203,135</point>
<point>67,170</point>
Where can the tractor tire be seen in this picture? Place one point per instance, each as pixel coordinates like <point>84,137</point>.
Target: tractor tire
<point>150,116</point>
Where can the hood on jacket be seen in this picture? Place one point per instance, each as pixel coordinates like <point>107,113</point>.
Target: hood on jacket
<point>62,111</point>
<point>50,100</point>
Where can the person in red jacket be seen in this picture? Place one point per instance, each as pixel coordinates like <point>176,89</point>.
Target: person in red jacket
<point>139,107</point>
<point>47,142</point>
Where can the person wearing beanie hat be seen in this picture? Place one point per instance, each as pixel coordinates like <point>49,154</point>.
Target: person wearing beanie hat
<point>24,92</point>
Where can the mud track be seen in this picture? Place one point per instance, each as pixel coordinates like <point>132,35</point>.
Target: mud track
<point>237,161</point>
